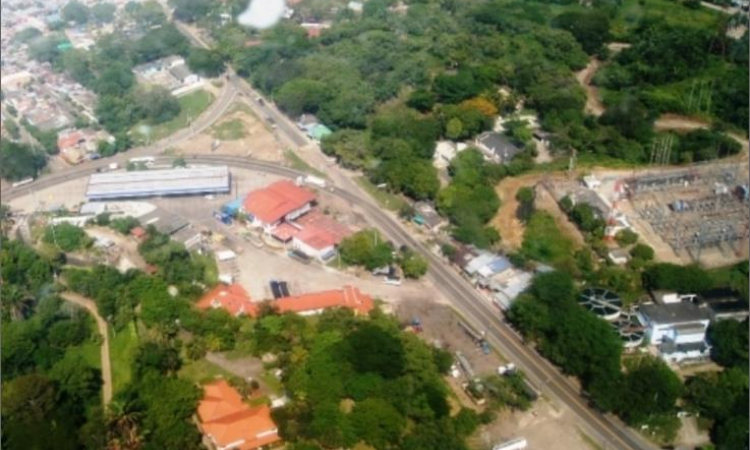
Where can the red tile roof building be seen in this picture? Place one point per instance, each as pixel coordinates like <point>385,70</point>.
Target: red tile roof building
<point>233,298</point>
<point>229,423</point>
<point>319,235</point>
<point>309,304</point>
<point>277,202</point>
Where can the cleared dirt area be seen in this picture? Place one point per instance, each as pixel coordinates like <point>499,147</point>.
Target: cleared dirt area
<point>510,228</point>
<point>241,133</point>
<point>127,248</point>
<point>594,103</point>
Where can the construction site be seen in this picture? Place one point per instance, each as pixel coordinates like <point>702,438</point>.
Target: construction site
<point>696,211</point>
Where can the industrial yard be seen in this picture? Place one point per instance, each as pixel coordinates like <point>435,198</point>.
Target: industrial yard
<point>700,212</point>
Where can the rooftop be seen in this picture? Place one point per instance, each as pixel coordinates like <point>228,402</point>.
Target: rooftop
<point>499,145</point>
<point>226,419</point>
<point>320,231</point>
<point>349,297</point>
<point>182,181</point>
<point>276,200</point>
<point>674,313</point>
<point>233,298</point>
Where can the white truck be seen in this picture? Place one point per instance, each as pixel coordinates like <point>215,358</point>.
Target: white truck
<point>114,166</point>
<point>311,180</point>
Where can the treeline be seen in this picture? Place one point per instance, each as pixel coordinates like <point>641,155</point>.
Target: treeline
<point>20,161</point>
<point>587,347</point>
<point>49,388</point>
<point>663,55</point>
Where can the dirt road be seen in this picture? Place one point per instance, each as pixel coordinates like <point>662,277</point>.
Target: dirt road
<point>677,122</point>
<point>90,306</point>
<point>594,104</point>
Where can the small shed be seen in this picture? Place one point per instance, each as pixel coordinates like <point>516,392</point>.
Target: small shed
<point>319,131</point>
<point>233,207</point>
<point>619,257</point>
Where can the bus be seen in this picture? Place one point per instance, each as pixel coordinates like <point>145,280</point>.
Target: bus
<point>22,182</point>
<point>147,160</point>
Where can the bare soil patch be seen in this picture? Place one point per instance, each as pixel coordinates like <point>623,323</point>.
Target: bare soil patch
<point>257,140</point>
<point>510,228</point>
<point>594,103</point>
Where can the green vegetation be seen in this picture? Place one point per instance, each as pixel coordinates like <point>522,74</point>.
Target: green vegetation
<point>123,344</point>
<point>387,200</point>
<point>298,163</point>
<point>49,386</point>
<point>231,130</point>
<point>191,106</point>
<point>202,371</point>
<point>19,161</point>
<point>721,398</point>
<point>67,237</point>
<point>366,248</point>
<point>543,241</point>
<point>586,346</point>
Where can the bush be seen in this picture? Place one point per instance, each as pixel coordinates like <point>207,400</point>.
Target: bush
<point>626,237</point>
<point>67,237</point>
<point>642,252</point>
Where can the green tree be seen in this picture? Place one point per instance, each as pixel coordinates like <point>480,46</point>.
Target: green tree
<point>103,12</point>
<point>525,196</point>
<point>156,104</point>
<point>454,129</point>
<point>302,96</point>
<point>649,388</point>
<point>626,237</point>
<point>590,28</point>
<point>372,349</point>
<point>66,237</point>
<point>19,161</point>
<point>208,63</point>
<point>76,379</point>
<point>377,423</point>
<point>729,343</point>
<point>642,252</point>
<point>422,100</point>
<point>29,398</point>
<point>190,10</point>
<point>413,265</point>
<point>366,248</point>
<point>76,11</point>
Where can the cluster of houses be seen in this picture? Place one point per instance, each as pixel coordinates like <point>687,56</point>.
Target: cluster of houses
<point>77,145</point>
<point>171,73</point>
<point>286,212</point>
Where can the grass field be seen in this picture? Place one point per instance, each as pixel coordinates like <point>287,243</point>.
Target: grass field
<point>383,197</point>
<point>89,350</point>
<point>543,241</point>
<point>230,130</point>
<point>123,345</point>
<point>192,105</point>
<point>202,371</point>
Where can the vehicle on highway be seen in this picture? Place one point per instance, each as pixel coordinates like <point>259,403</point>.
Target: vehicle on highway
<point>22,182</point>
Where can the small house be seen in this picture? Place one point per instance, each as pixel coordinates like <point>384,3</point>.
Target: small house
<point>496,147</point>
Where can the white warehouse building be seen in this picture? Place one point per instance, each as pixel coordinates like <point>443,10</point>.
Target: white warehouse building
<point>153,183</point>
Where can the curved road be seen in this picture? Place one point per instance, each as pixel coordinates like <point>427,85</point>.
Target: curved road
<point>605,428</point>
<point>90,306</point>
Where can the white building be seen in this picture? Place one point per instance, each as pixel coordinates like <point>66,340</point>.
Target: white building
<point>676,326</point>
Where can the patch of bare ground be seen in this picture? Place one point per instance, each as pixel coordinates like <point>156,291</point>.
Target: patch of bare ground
<point>594,103</point>
<point>256,141</point>
<point>506,222</point>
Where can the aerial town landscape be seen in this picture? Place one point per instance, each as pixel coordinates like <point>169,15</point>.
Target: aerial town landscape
<point>374,224</point>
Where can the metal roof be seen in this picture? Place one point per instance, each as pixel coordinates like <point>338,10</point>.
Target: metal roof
<point>146,183</point>
<point>674,313</point>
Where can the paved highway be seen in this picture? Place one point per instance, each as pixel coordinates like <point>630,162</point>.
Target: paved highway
<point>604,428</point>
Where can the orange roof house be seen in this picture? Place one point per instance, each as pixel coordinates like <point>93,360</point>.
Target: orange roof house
<point>229,423</point>
<point>277,201</point>
<point>69,140</point>
<point>308,304</point>
<point>233,298</point>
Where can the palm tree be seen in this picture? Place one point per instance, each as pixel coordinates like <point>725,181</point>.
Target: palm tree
<point>16,302</point>
<point>122,426</point>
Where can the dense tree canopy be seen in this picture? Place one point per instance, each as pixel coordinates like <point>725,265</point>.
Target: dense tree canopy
<point>19,161</point>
